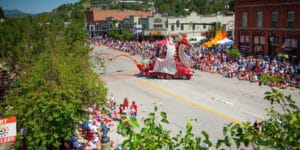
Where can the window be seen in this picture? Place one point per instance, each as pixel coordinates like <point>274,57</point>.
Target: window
<point>97,26</point>
<point>177,23</point>
<point>92,28</point>
<point>172,27</point>
<point>182,27</point>
<point>273,39</point>
<point>291,19</point>
<point>244,38</point>
<point>259,19</point>
<point>157,20</point>
<point>274,18</point>
<point>157,26</point>
<point>290,43</point>
<point>204,26</point>
<point>244,19</point>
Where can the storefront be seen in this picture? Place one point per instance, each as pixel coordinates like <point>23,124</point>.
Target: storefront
<point>259,44</point>
<point>244,44</point>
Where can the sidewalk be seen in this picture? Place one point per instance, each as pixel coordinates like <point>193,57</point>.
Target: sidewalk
<point>115,137</point>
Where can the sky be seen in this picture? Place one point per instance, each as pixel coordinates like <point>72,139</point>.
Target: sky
<point>33,6</point>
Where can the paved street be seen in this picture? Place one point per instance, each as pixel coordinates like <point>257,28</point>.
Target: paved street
<point>212,99</point>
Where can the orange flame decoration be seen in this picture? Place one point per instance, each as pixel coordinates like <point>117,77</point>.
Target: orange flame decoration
<point>219,36</point>
<point>138,64</point>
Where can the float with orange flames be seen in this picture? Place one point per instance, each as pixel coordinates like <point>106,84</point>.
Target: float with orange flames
<point>176,64</point>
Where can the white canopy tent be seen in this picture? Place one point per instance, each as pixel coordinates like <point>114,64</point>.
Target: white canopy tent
<point>226,42</point>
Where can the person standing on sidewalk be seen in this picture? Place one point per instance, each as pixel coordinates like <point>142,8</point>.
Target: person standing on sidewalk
<point>135,107</point>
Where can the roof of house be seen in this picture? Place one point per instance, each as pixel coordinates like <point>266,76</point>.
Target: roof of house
<point>118,14</point>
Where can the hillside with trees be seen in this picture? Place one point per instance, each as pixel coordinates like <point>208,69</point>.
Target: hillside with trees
<point>174,7</point>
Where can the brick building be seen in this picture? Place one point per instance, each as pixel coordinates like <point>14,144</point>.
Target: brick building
<point>268,27</point>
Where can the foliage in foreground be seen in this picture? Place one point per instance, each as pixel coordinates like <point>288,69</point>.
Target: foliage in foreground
<point>280,130</point>
<point>154,135</point>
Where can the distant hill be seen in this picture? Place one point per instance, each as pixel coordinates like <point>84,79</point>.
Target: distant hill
<point>15,12</point>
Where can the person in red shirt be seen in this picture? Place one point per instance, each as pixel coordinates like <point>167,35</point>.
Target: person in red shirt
<point>126,103</point>
<point>120,109</point>
<point>135,107</point>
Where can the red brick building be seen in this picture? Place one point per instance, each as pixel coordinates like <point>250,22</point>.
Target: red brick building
<point>268,27</point>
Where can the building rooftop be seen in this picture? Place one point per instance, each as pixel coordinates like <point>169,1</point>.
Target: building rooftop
<point>118,14</point>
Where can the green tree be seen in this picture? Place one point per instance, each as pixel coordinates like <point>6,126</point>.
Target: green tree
<point>21,41</point>
<point>234,53</point>
<point>127,35</point>
<point>56,78</point>
<point>2,15</point>
<point>176,7</point>
<point>49,101</point>
<point>124,35</point>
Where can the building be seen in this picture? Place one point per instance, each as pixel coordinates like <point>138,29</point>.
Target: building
<point>100,21</point>
<point>268,27</point>
<point>156,26</point>
<point>193,25</point>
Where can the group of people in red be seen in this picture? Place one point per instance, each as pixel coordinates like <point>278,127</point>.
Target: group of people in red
<point>117,110</point>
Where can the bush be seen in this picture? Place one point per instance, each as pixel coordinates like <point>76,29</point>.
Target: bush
<point>234,53</point>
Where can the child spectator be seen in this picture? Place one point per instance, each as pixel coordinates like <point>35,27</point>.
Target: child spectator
<point>120,109</point>
<point>111,101</point>
<point>132,112</point>
<point>115,111</point>
<point>135,107</point>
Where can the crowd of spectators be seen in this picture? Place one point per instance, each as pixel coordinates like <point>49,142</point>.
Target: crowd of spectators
<point>217,61</point>
<point>248,68</point>
<point>93,133</point>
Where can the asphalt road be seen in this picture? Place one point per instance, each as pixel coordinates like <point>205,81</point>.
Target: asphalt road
<point>210,98</point>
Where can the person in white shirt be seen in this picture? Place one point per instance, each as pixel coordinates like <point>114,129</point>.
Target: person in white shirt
<point>111,101</point>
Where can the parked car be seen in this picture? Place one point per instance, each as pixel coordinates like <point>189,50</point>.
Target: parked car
<point>200,42</point>
<point>193,40</point>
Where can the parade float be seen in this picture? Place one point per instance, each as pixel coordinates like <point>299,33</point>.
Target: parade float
<point>176,64</point>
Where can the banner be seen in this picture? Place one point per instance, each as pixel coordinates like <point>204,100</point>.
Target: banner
<point>8,130</point>
<point>184,58</point>
<point>165,66</point>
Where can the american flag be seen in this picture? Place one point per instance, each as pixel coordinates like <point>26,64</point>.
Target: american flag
<point>183,57</point>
